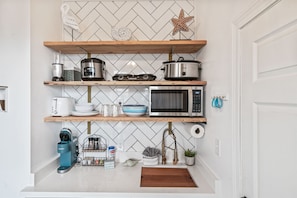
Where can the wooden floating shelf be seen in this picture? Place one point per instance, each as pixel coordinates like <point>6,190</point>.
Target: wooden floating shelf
<point>123,83</point>
<point>124,118</point>
<point>126,47</point>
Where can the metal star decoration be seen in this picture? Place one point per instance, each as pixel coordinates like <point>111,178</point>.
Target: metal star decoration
<point>180,23</point>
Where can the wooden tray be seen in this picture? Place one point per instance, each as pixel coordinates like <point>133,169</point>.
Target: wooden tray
<point>166,177</point>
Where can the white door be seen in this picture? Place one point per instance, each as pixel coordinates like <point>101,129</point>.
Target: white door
<point>268,51</point>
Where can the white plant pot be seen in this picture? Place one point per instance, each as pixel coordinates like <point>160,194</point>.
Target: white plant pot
<point>190,161</point>
<point>150,161</point>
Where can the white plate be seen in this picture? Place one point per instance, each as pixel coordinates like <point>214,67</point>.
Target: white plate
<point>134,114</point>
<point>91,113</point>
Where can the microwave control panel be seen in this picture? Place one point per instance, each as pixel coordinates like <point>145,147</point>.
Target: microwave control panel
<point>196,101</point>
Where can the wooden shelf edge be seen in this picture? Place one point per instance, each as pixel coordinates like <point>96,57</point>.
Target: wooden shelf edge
<point>123,83</point>
<point>124,118</point>
<point>128,43</point>
<point>126,47</point>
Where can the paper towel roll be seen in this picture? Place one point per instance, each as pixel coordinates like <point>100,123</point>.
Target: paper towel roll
<point>197,131</point>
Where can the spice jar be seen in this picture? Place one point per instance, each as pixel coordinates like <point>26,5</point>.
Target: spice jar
<point>96,143</point>
<point>111,152</point>
<point>91,143</point>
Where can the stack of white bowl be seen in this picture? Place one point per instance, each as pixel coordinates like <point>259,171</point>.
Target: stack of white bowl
<point>84,109</point>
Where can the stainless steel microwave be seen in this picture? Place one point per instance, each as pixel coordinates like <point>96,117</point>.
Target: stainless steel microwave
<point>176,101</point>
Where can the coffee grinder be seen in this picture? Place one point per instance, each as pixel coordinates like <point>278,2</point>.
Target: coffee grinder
<point>57,68</point>
<point>68,149</point>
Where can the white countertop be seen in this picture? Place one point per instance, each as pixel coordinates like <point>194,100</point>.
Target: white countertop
<point>90,181</point>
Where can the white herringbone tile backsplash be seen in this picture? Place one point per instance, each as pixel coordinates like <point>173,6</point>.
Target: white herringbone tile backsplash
<point>148,20</point>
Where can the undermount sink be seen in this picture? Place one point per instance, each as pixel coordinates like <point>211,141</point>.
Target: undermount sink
<point>162,176</point>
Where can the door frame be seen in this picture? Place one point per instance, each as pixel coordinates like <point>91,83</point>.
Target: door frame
<point>256,9</point>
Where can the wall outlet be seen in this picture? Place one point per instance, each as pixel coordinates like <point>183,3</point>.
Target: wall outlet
<point>218,147</point>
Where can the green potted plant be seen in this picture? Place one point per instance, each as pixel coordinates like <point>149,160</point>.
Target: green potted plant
<point>190,157</point>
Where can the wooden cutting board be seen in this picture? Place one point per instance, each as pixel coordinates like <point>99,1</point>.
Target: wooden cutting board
<point>166,177</point>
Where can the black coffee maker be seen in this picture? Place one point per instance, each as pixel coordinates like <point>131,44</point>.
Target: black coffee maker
<point>68,149</point>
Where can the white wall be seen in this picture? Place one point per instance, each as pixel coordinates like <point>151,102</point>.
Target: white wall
<point>215,25</point>
<point>23,71</point>
<point>45,25</point>
<point>215,20</point>
<point>15,73</point>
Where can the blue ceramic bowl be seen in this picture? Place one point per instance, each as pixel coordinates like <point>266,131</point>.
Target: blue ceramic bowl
<point>137,109</point>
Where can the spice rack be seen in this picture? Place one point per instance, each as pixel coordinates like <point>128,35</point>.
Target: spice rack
<point>94,151</point>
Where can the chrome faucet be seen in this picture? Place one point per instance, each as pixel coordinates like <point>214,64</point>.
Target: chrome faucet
<point>170,133</point>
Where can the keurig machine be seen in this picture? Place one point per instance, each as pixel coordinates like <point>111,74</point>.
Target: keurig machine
<point>68,149</point>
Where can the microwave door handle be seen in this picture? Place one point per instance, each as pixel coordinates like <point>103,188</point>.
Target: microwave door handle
<point>190,102</point>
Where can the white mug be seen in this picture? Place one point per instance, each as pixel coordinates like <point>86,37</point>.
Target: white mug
<point>107,110</point>
<point>115,110</point>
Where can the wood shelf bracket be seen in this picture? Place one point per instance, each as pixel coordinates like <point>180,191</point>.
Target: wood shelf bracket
<point>170,54</point>
<point>89,100</point>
